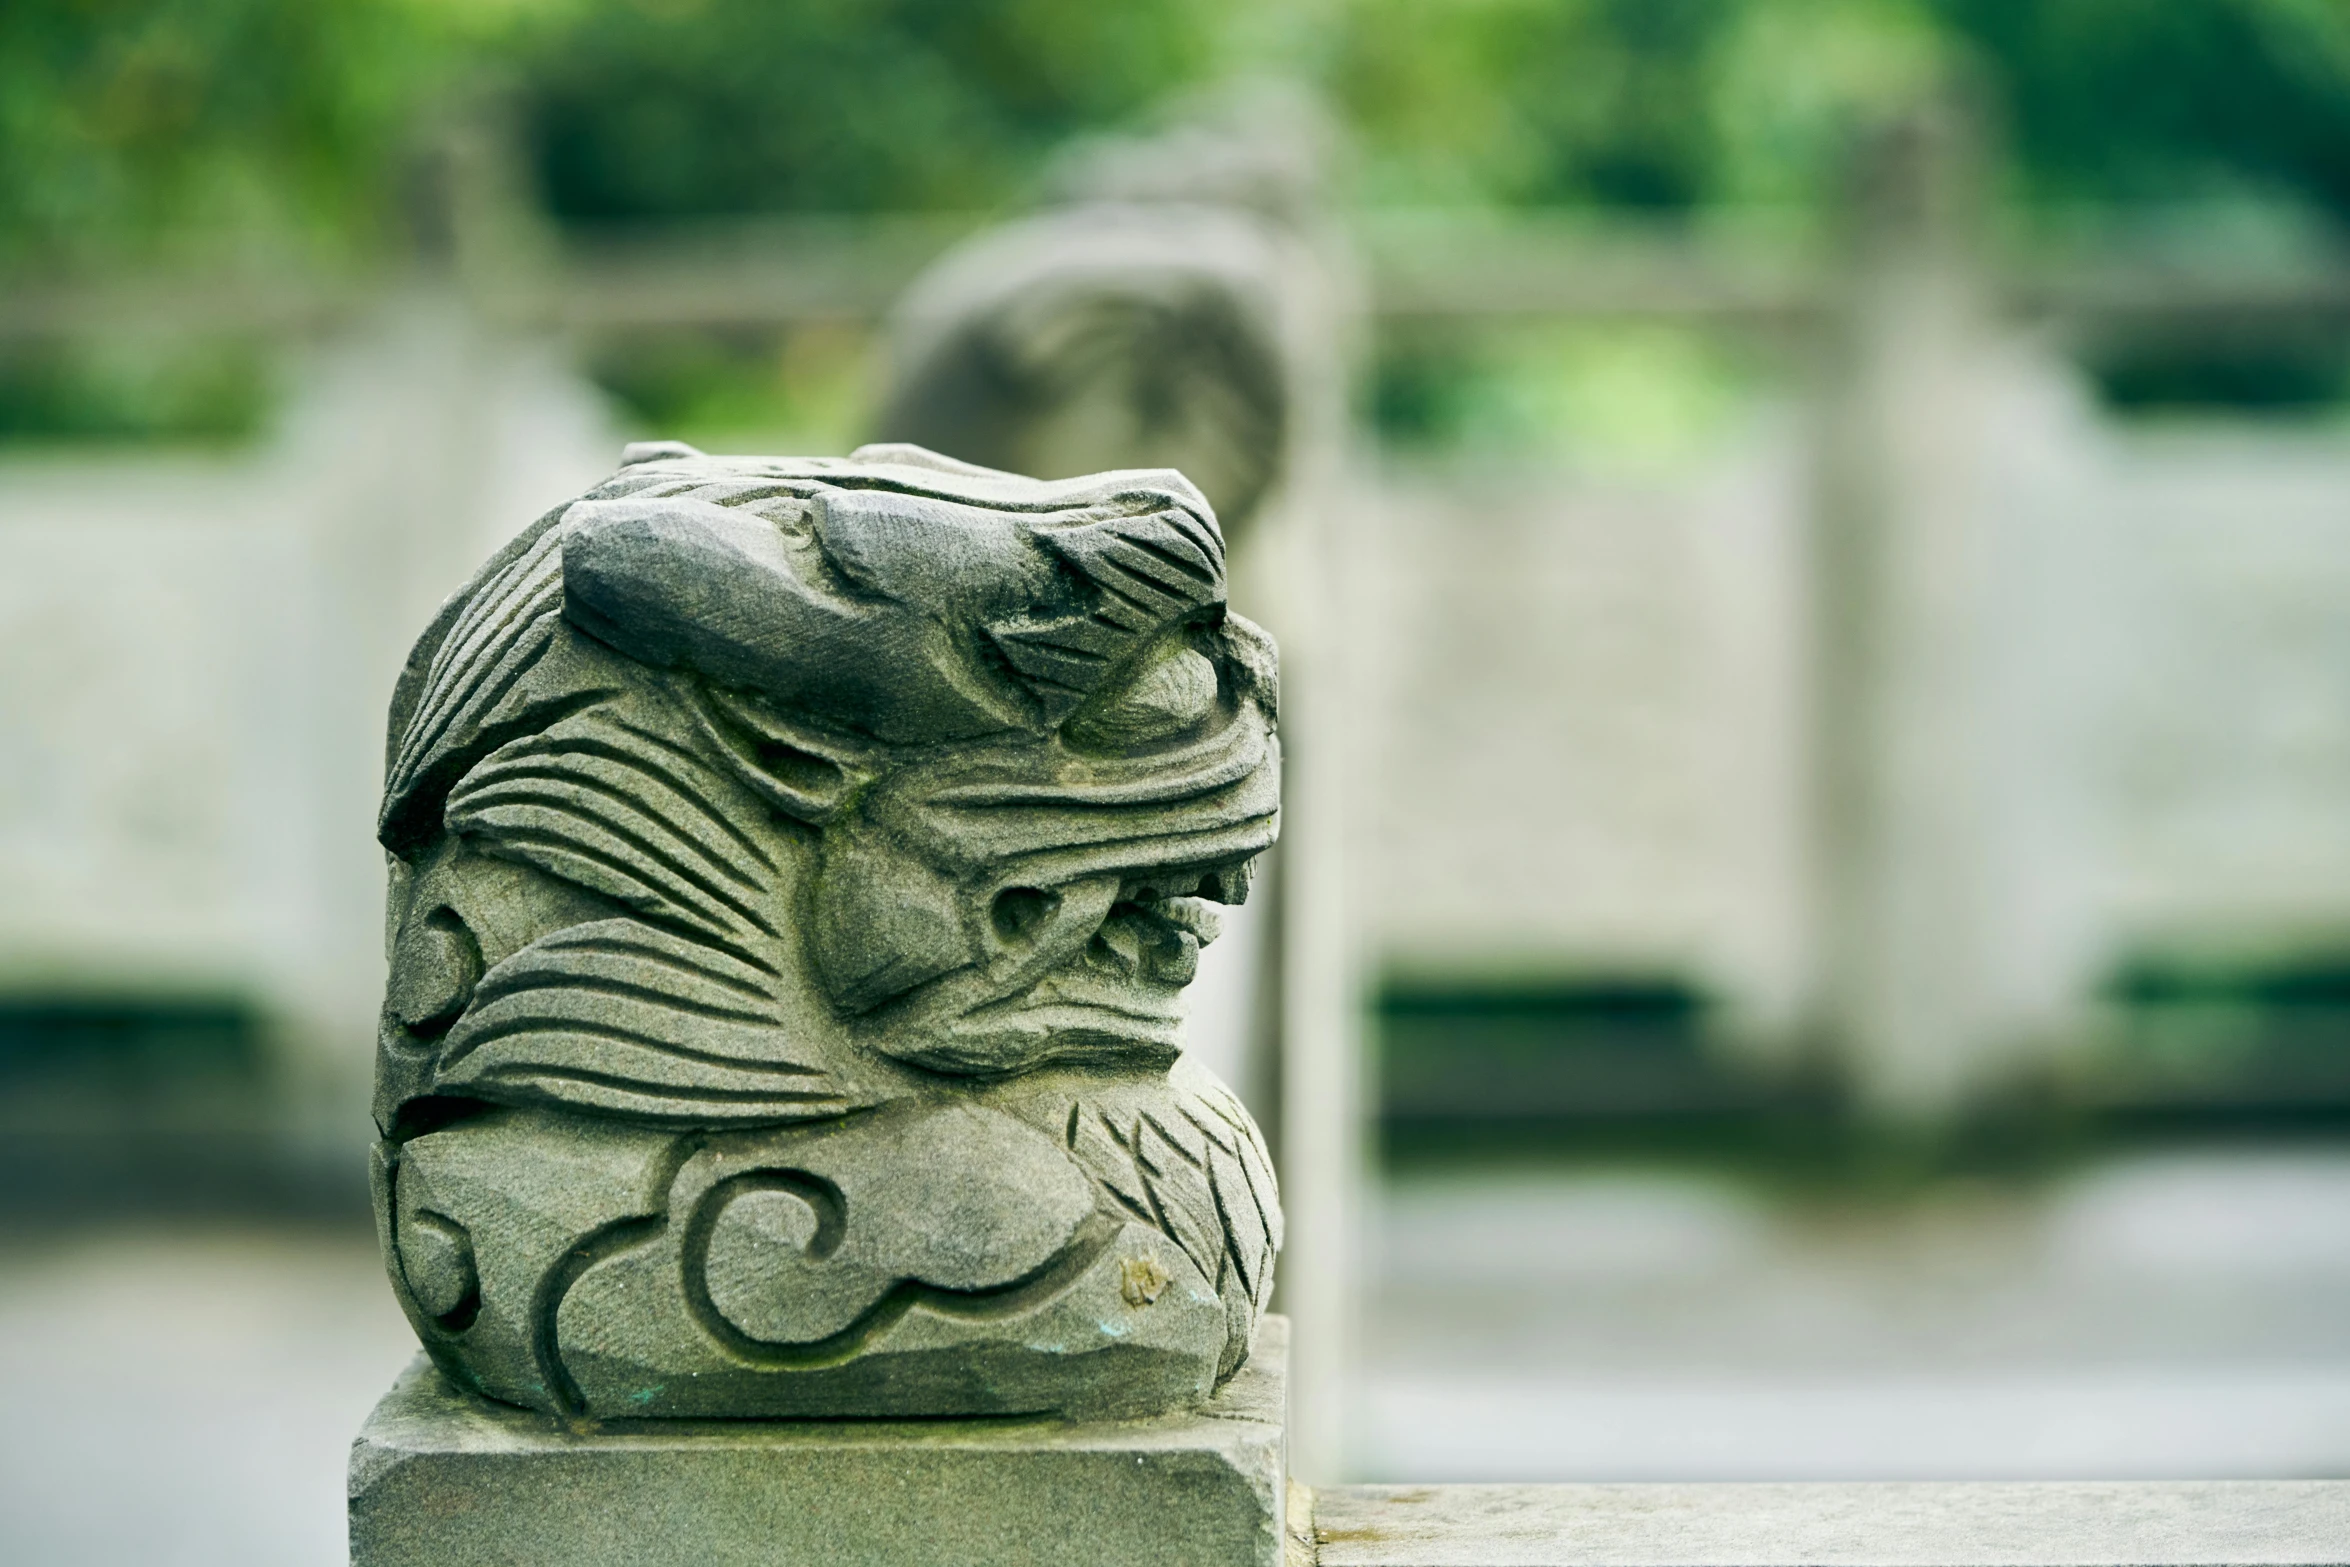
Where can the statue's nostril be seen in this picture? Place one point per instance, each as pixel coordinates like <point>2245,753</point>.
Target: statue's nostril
<point>1020,912</point>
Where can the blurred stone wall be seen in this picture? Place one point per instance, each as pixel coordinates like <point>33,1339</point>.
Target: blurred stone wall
<point>196,652</point>
<point>1579,705</point>
<point>1586,707</point>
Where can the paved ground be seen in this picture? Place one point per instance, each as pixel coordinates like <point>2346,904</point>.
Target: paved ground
<point>186,1395</point>
<point>2180,1314</point>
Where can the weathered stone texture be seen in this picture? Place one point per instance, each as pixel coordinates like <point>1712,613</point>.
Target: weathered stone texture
<point>442,1479</point>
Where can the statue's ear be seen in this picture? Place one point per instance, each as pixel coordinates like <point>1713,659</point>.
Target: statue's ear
<point>799,770</point>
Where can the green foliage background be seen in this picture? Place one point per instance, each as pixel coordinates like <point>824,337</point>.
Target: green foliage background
<point>145,135</point>
<point>639,111</point>
<point>159,131</point>
<point>136,131</point>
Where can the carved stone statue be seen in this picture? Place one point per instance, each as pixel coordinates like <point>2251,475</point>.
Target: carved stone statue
<point>796,865</point>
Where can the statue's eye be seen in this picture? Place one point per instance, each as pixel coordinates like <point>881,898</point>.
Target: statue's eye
<point>435,966</point>
<point>1165,697</point>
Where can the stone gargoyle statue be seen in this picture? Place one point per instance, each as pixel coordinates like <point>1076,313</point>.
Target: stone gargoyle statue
<point>796,865</point>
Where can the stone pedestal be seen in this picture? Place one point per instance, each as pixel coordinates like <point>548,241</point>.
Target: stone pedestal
<point>441,1477</point>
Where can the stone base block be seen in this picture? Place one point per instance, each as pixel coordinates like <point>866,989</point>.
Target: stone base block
<point>441,1477</point>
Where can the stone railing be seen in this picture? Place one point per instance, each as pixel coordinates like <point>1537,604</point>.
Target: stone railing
<point>2272,1523</point>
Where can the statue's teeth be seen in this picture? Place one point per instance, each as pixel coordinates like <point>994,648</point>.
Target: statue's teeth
<point>1117,946</point>
<point>1195,915</point>
<point>1228,885</point>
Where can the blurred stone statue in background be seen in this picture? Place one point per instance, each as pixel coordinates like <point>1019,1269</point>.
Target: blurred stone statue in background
<point>796,868</point>
<point>1145,316</point>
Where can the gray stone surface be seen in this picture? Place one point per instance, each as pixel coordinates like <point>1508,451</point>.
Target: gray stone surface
<point>2150,1314</point>
<point>797,866</point>
<point>2280,1523</point>
<point>440,1478</point>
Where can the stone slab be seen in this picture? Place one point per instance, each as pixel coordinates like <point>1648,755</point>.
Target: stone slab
<point>2251,1523</point>
<point>443,1478</point>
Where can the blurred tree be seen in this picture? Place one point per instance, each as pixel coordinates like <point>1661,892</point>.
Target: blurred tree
<point>152,130</point>
<point>1530,100</point>
<point>649,109</point>
<point>1655,105</point>
<point>2124,99</point>
<point>1669,105</point>
<point>158,130</point>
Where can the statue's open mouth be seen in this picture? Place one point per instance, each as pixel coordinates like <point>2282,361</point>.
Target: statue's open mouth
<point>1116,996</point>
<point>1135,967</point>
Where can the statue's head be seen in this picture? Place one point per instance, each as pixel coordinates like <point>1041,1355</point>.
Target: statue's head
<point>747,783</point>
